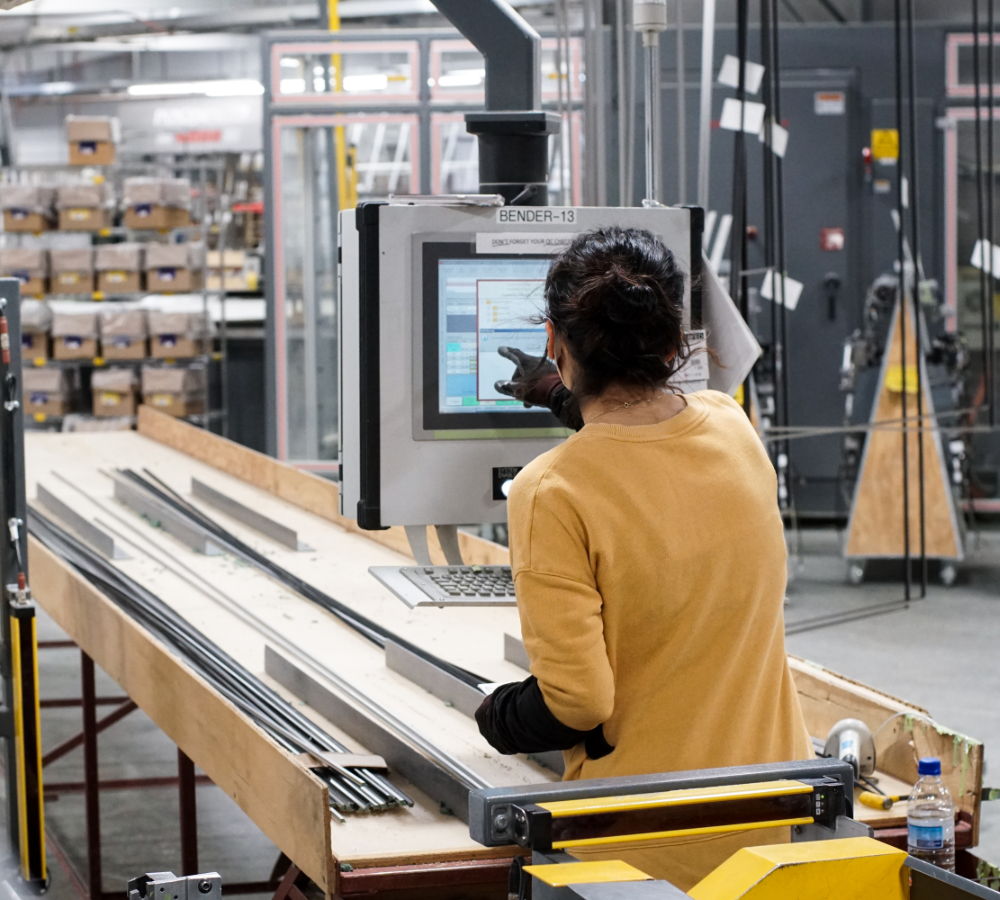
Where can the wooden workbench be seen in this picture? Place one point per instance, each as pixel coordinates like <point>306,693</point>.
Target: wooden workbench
<point>276,789</point>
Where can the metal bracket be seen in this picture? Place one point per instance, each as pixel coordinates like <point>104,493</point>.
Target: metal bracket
<point>283,534</point>
<point>170,521</point>
<point>156,885</point>
<point>100,540</point>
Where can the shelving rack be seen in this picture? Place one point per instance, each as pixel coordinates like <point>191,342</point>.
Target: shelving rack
<point>210,212</point>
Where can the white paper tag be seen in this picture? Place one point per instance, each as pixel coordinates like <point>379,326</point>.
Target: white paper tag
<point>778,135</point>
<point>522,242</point>
<point>978,257</point>
<point>792,290</point>
<point>693,374</point>
<point>729,74</point>
<point>752,116</point>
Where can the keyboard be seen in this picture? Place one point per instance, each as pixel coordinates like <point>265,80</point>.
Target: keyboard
<point>449,585</point>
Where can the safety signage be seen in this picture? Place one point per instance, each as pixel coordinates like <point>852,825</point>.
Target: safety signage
<point>885,144</point>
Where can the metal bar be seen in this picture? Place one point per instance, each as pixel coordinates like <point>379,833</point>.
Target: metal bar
<point>92,801</point>
<point>67,746</point>
<point>70,702</point>
<point>53,788</point>
<point>514,652</point>
<point>147,506</point>
<point>53,645</point>
<point>444,786</point>
<point>651,47</point>
<point>283,534</point>
<point>188,813</point>
<point>681,108</point>
<point>445,687</point>
<point>100,540</point>
<point>705,113</point>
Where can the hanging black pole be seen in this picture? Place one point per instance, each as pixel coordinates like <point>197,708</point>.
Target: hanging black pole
<point>901,295</point>
<point>738,247</point>
<point>985,289</point>
<point>779,223</point>
<point>914,210</point>
<point>990,193</point>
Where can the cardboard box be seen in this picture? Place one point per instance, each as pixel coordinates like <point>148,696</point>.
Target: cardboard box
<point>45,392</point>
<point>123,333</point>
<point>174,268</point>
<point>71,271</point>
<point>27,207</point>
<point>119,268</point>
<point>114,392</point>
<point>232,270</point>
<point>36,320</point>
<point>34,347</point>
<point>74,335</point>
<point>143,217</point>
<point>29,265</point>
<point>83,207</point>
<point>177,335</point>
<point>92,140</point>
<point>175,391</point>
<point>156,204</point>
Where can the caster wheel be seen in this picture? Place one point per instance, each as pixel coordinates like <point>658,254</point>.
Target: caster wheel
<point>947,575</point>
<point>856,573</point>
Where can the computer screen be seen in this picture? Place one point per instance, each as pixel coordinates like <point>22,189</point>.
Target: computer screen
<point>473,305</point>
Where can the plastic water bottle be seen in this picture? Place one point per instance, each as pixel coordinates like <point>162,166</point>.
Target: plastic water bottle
<point>930,821</point>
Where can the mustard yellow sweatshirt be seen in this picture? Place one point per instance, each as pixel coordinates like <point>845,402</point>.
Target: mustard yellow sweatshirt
<point>650,568</point>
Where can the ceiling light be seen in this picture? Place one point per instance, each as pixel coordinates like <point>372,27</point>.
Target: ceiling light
<point>225,87</point>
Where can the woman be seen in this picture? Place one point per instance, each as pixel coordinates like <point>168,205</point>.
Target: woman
<point>648,554</point>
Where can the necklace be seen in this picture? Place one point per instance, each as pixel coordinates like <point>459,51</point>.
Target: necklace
<point>628,404</point>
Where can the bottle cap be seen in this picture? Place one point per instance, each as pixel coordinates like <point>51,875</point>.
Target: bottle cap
<point>929,765</point>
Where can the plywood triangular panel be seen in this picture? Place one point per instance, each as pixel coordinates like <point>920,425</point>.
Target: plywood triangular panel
<point>876,528</point>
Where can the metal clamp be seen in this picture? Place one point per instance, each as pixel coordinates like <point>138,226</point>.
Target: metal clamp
<point>152,885</point>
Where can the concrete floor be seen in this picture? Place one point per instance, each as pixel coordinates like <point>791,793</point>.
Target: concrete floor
<point>940,653</point>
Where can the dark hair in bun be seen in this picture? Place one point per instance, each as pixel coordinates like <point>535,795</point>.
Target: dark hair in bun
<point>617,296</point>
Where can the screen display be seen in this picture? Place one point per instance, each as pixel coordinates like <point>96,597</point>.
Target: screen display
<point>473,305</point>
<point>484,305</point>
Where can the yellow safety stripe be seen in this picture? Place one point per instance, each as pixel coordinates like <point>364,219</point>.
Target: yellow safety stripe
<point>716,794</point>
<point>22,798</point>
<point>38,749</point>
<point>680,832</point>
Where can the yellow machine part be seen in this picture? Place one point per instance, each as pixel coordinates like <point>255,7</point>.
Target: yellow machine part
<point>845,869</point>
<point>600,872</point>
<point>686,797</point>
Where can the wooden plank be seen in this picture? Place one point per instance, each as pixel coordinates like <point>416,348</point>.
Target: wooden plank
<point>286,801</point>
<point>876,524</point>
<point>904,733</point>
<point>310,492</point>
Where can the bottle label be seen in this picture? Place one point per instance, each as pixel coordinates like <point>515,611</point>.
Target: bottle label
<point>927,837</point>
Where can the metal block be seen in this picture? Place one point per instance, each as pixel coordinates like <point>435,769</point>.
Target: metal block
<point>445,687</point>
<point>103,542</point>
<point>282,534</point>
<point>514,652</point>
<point>136,499</point>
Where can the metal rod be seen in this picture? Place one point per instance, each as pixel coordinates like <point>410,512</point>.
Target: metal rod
<point>705,114</point>
<point>651,50</point>
<point>902,299</point>
<point>623,95</point>
<point>985,289</point>
<point>914,205</point>
<point>990,195</point>
<point>681,108</point>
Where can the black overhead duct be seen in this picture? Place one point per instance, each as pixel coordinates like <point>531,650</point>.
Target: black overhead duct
<point>513,130</point>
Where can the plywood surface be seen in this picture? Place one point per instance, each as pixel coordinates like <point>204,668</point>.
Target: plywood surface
<point>876,527</point>
<point>338,565</point>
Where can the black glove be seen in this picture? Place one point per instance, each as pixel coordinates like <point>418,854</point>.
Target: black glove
<point>515,719</point>
<point>536,382</point>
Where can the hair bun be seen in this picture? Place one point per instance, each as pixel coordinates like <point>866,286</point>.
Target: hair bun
<point>629,300</point>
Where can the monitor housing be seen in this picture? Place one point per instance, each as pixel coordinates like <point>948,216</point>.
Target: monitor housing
<point>427,295</point>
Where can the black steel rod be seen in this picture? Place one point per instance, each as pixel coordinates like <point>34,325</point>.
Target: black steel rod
<point>990,194</point>
<point>985,289</point>
<point>901,296</point>
<point>914,209</point>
